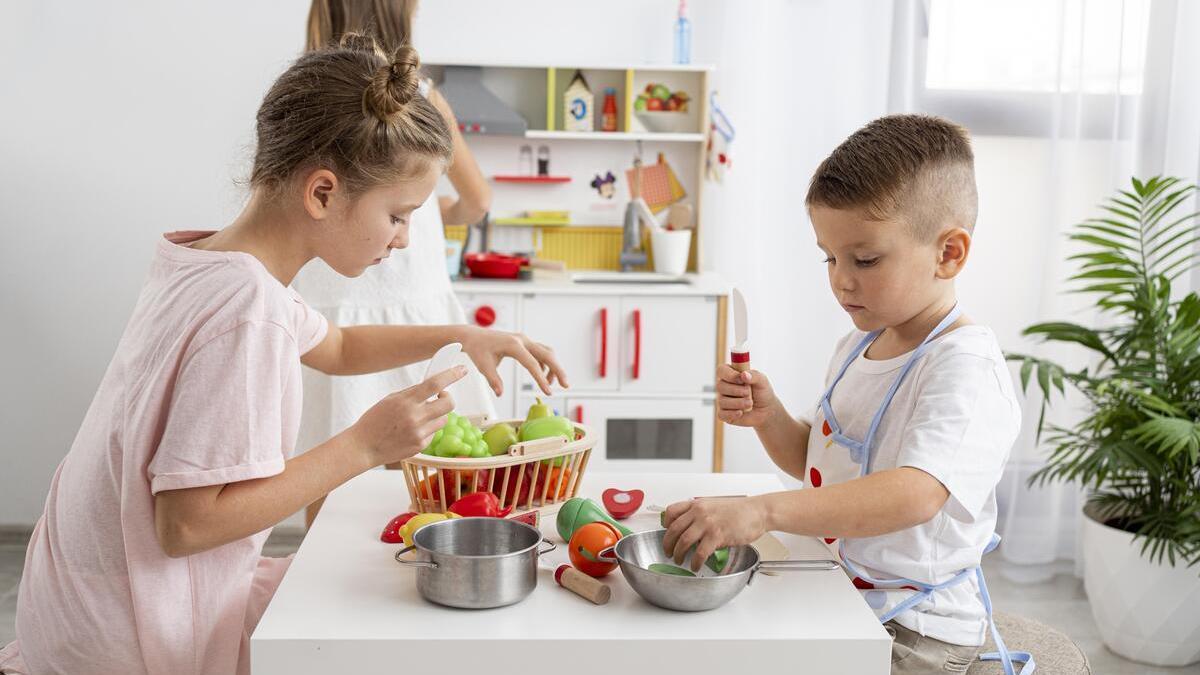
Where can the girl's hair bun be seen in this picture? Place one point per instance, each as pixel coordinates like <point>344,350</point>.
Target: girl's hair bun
<point>394,85</point>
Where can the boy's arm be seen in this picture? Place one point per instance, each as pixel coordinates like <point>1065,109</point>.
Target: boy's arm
<point>786,441</point>
<point>879,503</point>
<point>356,350</point>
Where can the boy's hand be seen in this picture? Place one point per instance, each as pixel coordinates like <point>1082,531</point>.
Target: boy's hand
<point>744,399</point>
<point>488,347</point>
<point>709,524</point>
<point>398,426</point>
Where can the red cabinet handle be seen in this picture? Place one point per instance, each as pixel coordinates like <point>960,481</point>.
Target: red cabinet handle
<point>637,343</point>
<point>485,316</point>
<point>579,414</point>
<point>603,342</point>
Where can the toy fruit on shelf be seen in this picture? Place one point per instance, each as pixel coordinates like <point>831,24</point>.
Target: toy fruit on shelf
<point>499,438</point>
<point>459,438</point>
<point>480,505</point>
<point>587,543</point>
<point>621,504</point>
<point>660,97</point>
<point>391,533</point>
<point>417,522</point>
<point>577,512</point>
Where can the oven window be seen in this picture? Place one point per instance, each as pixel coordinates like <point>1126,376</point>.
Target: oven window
<point>649,439</point>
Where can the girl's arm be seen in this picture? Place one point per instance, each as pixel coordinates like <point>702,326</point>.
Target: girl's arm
<point>474,193</point>
<point>355,350</point>
<point>879,503</point>
<point>193,520</point>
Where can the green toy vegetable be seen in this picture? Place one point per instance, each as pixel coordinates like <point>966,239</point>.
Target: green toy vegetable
<point>664,568</point>
<point>579,511</point>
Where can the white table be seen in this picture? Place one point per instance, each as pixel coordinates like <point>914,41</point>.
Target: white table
<point>346,606</point>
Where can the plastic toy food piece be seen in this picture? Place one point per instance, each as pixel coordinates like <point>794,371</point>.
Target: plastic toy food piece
<point>499,437</point>
<point>530,518</point>
<point>417,522</point>
<point>587,543</point>
<point>391,533</point>
<point>664,568</point>
<point>621,504</point>
<point>459,438</point>
<point>480,505</point>
<point>580,511</point>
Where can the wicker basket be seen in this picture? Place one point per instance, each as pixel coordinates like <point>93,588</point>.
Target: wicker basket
<point>523,478</point>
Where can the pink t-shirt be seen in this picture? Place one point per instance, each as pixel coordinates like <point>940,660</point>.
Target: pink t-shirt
<point>204,389</point>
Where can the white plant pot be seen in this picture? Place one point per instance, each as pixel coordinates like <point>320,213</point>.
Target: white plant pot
<point>1145,611</point>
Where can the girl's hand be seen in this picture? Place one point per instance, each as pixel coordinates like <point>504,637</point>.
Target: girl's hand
<point>398,426</point>
<point>710,524</point>
<point>744,399</point>
<point>488,347</point>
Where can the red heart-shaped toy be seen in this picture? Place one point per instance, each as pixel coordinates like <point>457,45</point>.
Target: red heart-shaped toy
<point>621,504</point>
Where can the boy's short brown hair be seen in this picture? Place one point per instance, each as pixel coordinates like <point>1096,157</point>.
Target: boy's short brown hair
<point>915,168</point>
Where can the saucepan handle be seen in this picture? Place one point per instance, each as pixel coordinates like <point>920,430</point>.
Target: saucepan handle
<point>797,565</point>
<point>414,563</point>
<point>608,555</point>
<point>544,551</point>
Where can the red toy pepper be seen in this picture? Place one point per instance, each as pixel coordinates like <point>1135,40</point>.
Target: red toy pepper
<point>480,504</point>
<point>621,504</point>
<point>391,533</point>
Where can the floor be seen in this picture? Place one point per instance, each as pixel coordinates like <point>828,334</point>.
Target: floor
<point>1059,602</point>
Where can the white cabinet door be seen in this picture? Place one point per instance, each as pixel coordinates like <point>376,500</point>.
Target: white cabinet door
<point>647,435</point>
<point>668,344</point>
<point>497,311</point>
<point>582,331</point>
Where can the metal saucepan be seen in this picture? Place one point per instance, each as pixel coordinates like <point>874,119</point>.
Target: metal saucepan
<point>636,552</point>
<point>476,563</point>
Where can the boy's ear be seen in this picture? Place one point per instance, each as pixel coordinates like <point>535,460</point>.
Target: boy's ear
<point>953,248</point>
<point>320,188</point>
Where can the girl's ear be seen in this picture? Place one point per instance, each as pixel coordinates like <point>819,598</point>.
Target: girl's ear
<point>953,248</point>
<point>320,189</point>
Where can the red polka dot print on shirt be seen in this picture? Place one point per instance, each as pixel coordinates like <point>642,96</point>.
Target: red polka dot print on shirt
<point>814,477</point>
<point>825,428</point>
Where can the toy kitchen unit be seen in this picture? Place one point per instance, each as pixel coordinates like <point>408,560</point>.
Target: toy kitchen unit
<point>592,244</point>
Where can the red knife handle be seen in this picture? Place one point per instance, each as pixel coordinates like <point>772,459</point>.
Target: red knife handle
<point>740,361</point>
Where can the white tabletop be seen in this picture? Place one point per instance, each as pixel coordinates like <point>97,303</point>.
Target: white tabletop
<point>347,606</point>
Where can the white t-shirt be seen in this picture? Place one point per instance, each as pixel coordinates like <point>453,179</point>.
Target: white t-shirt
<point>955,417</point>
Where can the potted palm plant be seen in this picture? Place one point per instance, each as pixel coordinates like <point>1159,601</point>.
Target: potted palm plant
<point>1137,449</point>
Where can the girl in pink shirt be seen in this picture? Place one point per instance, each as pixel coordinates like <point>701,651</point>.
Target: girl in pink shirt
<point>147,558</point>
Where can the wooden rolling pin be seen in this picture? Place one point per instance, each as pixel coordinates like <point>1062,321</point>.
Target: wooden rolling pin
<point>582,585</point>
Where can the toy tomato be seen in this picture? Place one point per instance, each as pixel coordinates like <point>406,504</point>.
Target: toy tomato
<point>586,545</point>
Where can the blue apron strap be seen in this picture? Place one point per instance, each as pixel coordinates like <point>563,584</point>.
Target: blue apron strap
<point>1005,657</point>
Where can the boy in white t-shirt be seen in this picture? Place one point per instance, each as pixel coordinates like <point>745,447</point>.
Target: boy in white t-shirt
<point>893,208</point>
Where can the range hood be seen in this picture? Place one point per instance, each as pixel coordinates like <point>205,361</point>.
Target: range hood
<point>477,109</point>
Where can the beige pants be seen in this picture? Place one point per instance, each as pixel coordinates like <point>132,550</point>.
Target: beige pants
<point>913,653</point>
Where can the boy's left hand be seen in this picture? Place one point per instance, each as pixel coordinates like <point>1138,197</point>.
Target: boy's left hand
<point>487,348</point>
<point>709,524</point>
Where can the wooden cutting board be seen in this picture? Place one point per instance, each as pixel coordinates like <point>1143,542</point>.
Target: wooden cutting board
<point>770,548</point>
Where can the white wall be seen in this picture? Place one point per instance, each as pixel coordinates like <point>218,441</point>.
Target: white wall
<point>120,122</point>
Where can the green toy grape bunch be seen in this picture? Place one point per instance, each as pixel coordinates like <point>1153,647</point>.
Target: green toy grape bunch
<point>459,438</point>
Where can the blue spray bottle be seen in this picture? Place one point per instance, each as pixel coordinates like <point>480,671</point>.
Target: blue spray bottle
<point>683,35</point>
